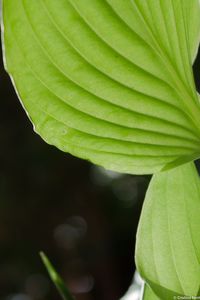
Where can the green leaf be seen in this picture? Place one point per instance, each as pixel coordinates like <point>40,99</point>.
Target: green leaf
<point>109,81</point>
<point>168,240</point>
<point>192,13</point>
<point>57,280</point>
<point>148,294</point>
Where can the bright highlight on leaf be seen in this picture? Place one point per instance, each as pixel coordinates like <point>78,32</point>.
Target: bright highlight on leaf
<point>57,280</point>
<point>168,238</point>
<point>109,81</point>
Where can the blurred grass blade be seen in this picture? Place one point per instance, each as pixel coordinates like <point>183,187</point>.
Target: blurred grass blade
<point>57,280</point>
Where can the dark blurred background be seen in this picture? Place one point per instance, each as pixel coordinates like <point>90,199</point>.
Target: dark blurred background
<point>83,217</point>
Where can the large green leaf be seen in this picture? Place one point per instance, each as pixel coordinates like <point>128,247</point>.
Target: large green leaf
<point>168,238</point>
<point>109,81</point>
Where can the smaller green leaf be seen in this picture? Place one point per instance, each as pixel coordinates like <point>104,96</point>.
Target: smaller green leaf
<point>57,280</point>
<point>148,294</point>
<point>168,241</point>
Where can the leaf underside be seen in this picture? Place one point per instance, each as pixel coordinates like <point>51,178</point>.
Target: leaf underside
<point>168,234</point>
<point>108,81</point>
